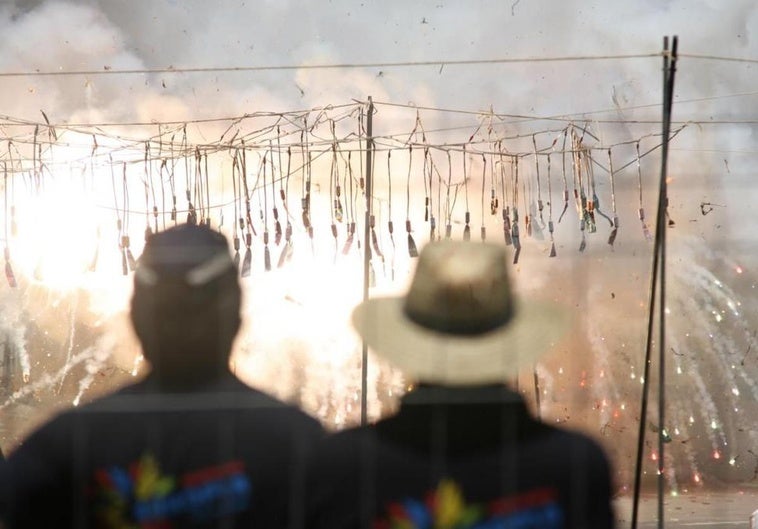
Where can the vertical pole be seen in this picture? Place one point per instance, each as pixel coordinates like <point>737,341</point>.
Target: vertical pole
<point>668,86</point>
<point>658,262</point>
<point>660,235</point>
<point>367,253</point>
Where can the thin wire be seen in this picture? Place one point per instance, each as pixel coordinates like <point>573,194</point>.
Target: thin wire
<point>5,202</point>
<point>348,176</point>
<point>639,172</point>
<point>234,192</point>
<point>287,185</point>
<point>613,182</point>
<point>408,186</point>
<point>448,207</point>
<point>568,118</point>
<point>718,58</point>
<point>550,193</point>
<point>265,196</point>
<point>484,177</point>
<point>389,187</point>
<point>465,177</point>
<point>325,66</point>
<point>13,121</point>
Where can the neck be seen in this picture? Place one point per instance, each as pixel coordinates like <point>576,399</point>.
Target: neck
<point>188,377</point>
<point>482,394</point>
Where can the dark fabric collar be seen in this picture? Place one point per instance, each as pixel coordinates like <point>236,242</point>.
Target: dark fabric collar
<point>223,380</point>
<point>150,395</point>
<point>459,421</point>
<point>427,394</point>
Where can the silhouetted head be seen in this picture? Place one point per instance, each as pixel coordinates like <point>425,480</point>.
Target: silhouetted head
<point>186,303</point>
<point>460,323</point>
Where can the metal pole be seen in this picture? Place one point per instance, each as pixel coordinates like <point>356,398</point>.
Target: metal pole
<point>668,74</point>
<point>658,262</point>
<point>367,253</point>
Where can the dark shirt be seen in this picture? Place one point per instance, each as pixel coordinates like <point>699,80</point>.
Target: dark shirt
<point>463,458</point>
<point>222,455</point>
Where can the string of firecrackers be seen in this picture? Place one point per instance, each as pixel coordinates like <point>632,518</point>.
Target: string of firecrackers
<point>520,202</point>
<point>171,138</point>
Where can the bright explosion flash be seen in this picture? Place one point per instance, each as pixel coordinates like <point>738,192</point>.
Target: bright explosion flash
<point>67,321</point>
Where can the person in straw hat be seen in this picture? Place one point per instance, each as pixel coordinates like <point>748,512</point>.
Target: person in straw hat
<point>463,451</point>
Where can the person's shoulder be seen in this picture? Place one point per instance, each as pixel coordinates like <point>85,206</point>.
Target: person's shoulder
<point>273,409</point>
<point>575,437</point>
<point>345,444</point>
<point>296,415</point>
<point>49,439</point>
<point>336,456</point>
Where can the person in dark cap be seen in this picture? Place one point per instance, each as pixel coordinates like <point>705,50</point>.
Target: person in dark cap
<point>189,445</point>
<point>463,451</point>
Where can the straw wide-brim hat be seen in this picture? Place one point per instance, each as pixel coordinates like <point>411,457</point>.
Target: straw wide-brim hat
<point>459,323</point>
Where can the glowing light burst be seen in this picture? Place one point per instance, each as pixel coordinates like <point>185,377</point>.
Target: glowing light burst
<point>57,237</point>
<point>709,331</point>
<point>66,240</point>
<point>298,343</point>
<point>709,352</point>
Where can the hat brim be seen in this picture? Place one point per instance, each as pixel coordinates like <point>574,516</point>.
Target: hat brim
<point>452,359</point>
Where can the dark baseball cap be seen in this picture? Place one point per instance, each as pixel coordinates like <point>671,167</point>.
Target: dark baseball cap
<point>186,263</point>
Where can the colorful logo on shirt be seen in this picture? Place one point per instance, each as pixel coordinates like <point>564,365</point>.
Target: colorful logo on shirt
<point>446,508</point>
<point>140,496</point>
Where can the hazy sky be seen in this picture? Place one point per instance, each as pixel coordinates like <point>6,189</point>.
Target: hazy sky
<point>89,34</point>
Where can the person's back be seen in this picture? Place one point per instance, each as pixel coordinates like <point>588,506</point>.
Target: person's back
<point>463,451</point>
<point>443,463</point>
<point>149,459</point>
<point>190,445</point>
